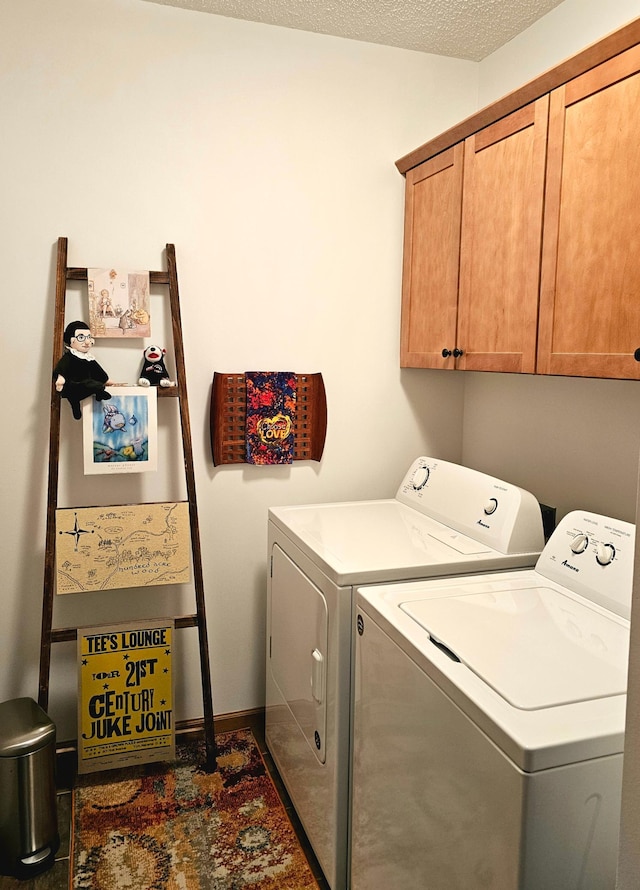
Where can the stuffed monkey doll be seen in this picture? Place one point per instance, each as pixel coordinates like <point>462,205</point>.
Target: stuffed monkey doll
<point>154,372</point>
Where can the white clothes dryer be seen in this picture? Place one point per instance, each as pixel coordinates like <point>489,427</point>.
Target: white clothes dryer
<point>489,722</point>
<point>444,520</point>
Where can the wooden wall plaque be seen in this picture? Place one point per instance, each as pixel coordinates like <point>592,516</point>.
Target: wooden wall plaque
<point>228,413</point>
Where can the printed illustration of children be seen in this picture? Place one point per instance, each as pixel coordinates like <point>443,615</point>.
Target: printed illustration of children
<point>105,306</point>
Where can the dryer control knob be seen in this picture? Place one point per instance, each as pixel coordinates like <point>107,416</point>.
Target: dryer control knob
<point>605,554</point>
<point>579,543</point>
<point>419,478</point>
<point>491,506</point>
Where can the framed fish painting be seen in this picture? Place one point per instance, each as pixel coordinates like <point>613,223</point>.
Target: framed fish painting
<point>120,434</point>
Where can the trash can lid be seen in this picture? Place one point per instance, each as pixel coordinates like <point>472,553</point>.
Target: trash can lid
<point>24,727</point>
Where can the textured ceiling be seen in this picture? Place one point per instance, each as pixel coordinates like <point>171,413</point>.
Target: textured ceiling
<point>464,29</point>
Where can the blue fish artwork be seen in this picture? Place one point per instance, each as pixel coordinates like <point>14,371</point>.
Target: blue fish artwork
<point>116,439</point>
<point>113,419</point>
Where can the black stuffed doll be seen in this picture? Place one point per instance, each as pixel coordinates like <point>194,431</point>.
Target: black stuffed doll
<point>154,372</point>
<point>78,375</point>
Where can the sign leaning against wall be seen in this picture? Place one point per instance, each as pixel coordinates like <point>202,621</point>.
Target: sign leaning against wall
<point>125,695</point>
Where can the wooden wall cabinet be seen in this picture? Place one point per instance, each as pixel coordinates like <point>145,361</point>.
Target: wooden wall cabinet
<point>590,281</point>
<point>522,239</point>
<point>473,223</point>
<point>502,207</point>
<point>433,205</point>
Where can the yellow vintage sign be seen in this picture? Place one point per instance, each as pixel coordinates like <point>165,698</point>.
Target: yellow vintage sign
<point>125,713</point>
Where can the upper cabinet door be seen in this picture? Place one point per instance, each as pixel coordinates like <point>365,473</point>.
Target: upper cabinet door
<point>504,170</point>
<point>431,258</point>
<point>590,279</point>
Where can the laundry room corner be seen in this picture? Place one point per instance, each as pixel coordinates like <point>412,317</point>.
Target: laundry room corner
<point>557,437</point>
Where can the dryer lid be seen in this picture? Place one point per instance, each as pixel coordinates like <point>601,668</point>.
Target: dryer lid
<point>536,647</point>
<point>376,541</point>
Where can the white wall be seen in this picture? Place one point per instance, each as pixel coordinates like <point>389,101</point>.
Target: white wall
<point>266,156</point>
<point>573,442</point>
<point>567,29</point>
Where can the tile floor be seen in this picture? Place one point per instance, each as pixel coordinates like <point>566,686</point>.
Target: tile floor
<point>58,878</point>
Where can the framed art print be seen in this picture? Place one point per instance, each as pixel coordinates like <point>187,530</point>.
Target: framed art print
<point>118,303</point>
<point>120,435</point>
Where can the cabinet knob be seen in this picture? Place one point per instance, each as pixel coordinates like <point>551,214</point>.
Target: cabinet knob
<point>636,355</point>
<point>458,352</point>
<point>447,352</point>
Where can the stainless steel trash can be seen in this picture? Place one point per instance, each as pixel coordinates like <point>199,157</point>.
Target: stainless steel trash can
<point>29,836</point>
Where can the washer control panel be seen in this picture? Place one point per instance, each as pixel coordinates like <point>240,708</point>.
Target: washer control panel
<point>593,556</point>
<point>495,513</point>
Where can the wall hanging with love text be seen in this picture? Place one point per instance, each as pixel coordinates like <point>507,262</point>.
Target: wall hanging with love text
<point>267,417</point>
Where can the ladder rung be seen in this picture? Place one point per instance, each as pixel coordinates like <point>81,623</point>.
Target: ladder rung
<point>67,634</point>
<point>79,273</point>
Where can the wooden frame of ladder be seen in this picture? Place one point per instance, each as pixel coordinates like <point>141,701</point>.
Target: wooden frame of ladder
<point>51,635</point>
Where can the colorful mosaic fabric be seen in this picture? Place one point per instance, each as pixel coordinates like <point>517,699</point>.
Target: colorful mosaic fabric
<point>271,409</point>
<point>175,827</point>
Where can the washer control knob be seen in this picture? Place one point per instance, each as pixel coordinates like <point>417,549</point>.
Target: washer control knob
<point>491,506</point>
<point>420,478</point>
<point>605,554</point>
<point>579,543</point>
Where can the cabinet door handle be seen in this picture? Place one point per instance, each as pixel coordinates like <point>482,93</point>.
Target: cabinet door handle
<point>446,353</point>
<point>457,352</point>
<point>636,355</point>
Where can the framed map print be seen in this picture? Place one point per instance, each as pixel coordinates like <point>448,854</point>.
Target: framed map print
<point>137,545</point>
<point>120,435</point>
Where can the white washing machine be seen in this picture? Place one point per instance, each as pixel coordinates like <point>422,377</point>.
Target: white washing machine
<point>445,520</point>
<point>489,722</point>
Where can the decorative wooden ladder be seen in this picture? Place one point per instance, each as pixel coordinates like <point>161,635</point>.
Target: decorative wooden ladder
<point>51,635</point>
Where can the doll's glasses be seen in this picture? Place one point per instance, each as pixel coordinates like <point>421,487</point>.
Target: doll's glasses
<point>82,337</point>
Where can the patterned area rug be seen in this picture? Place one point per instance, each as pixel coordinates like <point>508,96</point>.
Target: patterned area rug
<point>175,827</point>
